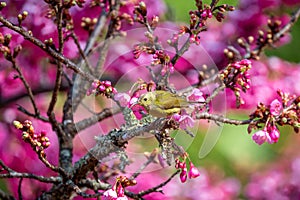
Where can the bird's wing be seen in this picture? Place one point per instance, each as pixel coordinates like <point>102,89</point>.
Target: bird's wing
<point>167,100</point>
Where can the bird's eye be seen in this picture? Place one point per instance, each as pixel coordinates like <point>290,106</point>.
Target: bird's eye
<point>145,99</point>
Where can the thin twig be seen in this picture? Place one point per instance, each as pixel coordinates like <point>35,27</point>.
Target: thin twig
<point>277,36</point>
<point>32,176</point>
<point>94,184</point>
<point>82,54</point>
<point>182,50</point>
<point>59,71</point>
<point>215,93</point>
<point>20,189</point>
<point>23,110</point>
<point>214,3</point>
<point>105,113</point>
<point>101,21</point>
<point>149,160</point>
<point>27,87</point>
<point>81,193</point>
<point>222,119</point>
<point>154,189</point>
<point>13,174</point>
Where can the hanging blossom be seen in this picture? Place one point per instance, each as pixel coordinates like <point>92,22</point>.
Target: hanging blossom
<point>117,191</point>
<point>280,112</point>
<point>193,171</point>
<point>269,134</point>
<point>260,137</point>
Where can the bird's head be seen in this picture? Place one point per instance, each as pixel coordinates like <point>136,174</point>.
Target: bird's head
<point>147,99</point>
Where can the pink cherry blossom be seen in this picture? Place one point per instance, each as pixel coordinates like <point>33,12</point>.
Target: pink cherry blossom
<point>196,96</point>
<point>110,195</point>
<point>275,107</point>
<point>273,134</point>
<point>184,120</point>
<point>183,175</point>
<point>122,98</point>
<point>260,137</point>
<point>193,172</point>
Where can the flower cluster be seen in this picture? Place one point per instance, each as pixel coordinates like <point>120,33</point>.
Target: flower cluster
<point>193,171</point>
<point>103,88</point>
<point>283,112</point>
<point>88,24</point>
<point>196,96</point>
<point>140,15</point>
<point>269,134</point>
<point>38,142</point>
<point>161,57</point>
<point>236,77</point>
<point>117,192</point>
<point>5,48</point>
<point>198,21</point>
<point>152,47</point>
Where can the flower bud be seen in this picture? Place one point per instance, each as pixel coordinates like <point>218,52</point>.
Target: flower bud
<point>183,175</point>
<point>143,8</point>
<point>7,39</point>
<point>194,172</point>
<point>2,5</point>
<point>17,124</point>
<point>25,135</point>
<point>17,50</point>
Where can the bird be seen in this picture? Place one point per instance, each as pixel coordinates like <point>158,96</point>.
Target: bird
<point>161,103</point>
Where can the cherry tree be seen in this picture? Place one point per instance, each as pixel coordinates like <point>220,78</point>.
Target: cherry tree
<point>94,94</point>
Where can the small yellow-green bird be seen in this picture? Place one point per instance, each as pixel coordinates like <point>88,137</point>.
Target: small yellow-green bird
<point>162,103</point>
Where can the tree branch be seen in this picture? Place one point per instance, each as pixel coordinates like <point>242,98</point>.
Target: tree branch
<point>222,119</point>
<point>13,174</point>
<point>27,87</point>
<point>277,36</point>
<point>85,123</point>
